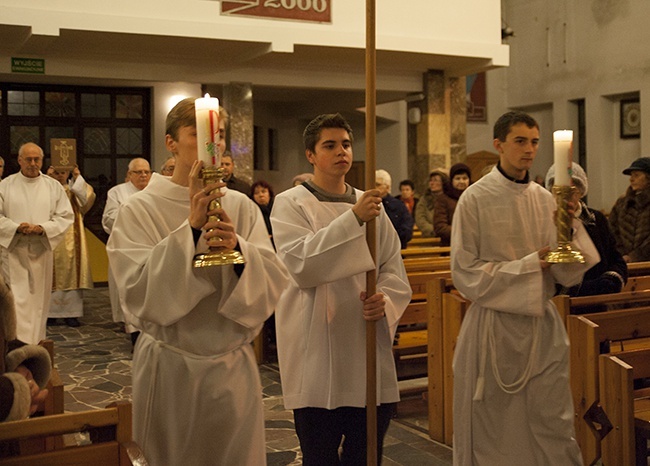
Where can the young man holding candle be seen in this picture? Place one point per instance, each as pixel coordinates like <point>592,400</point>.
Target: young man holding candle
<point>320,234</point>
<point>512,400</point>
<point>196,387</point>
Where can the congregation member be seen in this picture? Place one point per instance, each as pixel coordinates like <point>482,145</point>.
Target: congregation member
<point>630,216</point>
<point>460,177</point>
<point>512,399</point>
<point>395,209</point>
<point>425,209</point>
<point>167,168</point>
<point>34,215</point>
<point>197,395</point>
<point>262,194</point>
<point>72,272</point>
<point>137,178</point>
<point>24,369</point>
<point>232,182</point>
<point>301,178</point>
<point>610,274</point>
<point>408,196</point>
<point>319,230</point>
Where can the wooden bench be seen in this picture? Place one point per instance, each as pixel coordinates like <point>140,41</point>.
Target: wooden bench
<point>430,251</point>
<point>635,269</point>
<point>627,409</point>
<point>109,431</point>
<point>427,264</point>
<point>589,334</point>
<point>423,241</point>
<point>410,348</point>
<point>446,312</point>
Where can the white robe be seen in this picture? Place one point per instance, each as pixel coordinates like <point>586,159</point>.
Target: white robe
<point>27,259</point>
<point>196,388</point>
<point>115,197</point>
<point>498,228</point>
<point>319,322</point>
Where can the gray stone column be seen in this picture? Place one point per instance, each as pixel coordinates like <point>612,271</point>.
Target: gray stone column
<point>439,139</point>
<point>238,100</point>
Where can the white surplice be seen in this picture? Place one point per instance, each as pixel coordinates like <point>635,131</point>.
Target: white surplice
<point>27,259</point>
<point>115,197</point>
<point>512,330</point>
<point>196,387</point>
<point>319,322</point>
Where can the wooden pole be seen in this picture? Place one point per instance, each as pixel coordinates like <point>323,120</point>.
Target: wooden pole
<point>371,235</point>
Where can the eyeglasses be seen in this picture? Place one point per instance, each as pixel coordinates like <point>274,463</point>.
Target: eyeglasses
<point>141,172</point>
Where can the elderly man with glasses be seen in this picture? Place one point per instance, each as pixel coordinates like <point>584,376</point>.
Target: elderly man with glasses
<point>137,178</point>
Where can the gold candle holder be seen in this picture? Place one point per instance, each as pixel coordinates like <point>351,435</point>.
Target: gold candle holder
<point>564,254</point>
<point>217,255</point>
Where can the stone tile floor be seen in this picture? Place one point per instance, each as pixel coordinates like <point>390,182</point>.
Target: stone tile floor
<point>94,361</point>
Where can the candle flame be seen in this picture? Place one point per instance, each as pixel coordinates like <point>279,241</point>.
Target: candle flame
<point>207,96</point>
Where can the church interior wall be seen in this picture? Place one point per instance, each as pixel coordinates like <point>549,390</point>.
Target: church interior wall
<point>563,51</point>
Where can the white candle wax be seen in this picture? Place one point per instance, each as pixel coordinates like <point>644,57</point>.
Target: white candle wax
<point>562,157</point>
<point>207,130</point>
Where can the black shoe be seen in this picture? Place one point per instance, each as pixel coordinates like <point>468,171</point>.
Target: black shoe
<point>51,322</point>
<point>72,322</point>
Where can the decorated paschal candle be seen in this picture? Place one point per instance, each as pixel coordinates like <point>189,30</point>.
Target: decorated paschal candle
<point>207,130</point>
<point>562,157</point>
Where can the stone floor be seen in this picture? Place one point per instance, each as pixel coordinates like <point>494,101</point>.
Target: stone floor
<point>94,361</point>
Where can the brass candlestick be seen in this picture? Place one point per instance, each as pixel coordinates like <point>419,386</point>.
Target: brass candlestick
<point>564,254</point>
<point>217,255</point>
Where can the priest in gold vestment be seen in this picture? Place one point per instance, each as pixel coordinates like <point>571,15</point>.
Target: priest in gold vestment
<point>71,262</point>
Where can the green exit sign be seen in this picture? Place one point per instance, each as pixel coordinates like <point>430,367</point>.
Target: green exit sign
<point>28,65</point>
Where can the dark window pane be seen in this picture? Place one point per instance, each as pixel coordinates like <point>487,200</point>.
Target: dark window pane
<point>97,141</point>
<point>60,104</point>
<point>19,135</point>
<point>129,141</point>
<point>128,106</point>
<point>122,169</point>
<point>95,105</point>
<point>59,132</point>
<point>97,171</point>
<point>23,103</point>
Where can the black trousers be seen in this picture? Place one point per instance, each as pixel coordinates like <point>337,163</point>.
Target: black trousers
<point>320,432</point>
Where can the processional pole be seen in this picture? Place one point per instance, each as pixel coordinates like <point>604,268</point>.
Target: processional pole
<point>371,235</point>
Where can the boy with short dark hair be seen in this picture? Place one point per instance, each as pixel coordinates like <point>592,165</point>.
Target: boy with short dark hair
<point>321,318</point>
<point>512,400</point>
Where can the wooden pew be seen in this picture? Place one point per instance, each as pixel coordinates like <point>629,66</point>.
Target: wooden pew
<point>635,269</point>
<point>427,264</point>
<point>637,283</point>
<point>628,410</point>
<point>442,332</point>
<point>411,345</point>
<point>430,251</point>
<point>588,334</point>
<point>110,434</point>
<point>421,241</point>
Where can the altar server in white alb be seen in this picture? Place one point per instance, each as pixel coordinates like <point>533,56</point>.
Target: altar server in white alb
<point>196,389</point>
<point>320,234</point>
<point>137,178</point>
<point>512,400</point>
<point>34,214</point>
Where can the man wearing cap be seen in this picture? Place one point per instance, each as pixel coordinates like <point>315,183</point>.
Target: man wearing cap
<point>630,216</point>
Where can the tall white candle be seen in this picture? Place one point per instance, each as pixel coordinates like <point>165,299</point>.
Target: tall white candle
<point>562,156</point>
<point>207,130</point>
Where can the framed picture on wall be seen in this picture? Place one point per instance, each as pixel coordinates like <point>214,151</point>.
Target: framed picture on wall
<point>630,118</point>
